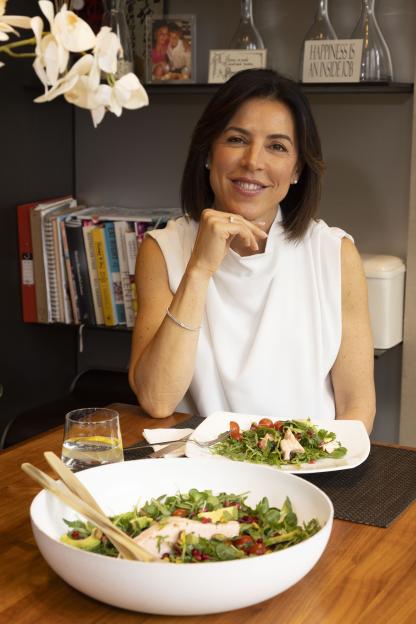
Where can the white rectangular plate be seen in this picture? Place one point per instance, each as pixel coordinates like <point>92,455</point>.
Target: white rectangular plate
<point>350,433</point>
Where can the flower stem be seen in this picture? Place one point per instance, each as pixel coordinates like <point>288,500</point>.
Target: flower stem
<point>8,48</point>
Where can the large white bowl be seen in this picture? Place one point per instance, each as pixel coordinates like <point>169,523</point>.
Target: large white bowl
<point>182,589</point>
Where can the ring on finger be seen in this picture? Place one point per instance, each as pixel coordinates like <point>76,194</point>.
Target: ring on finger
<point>231,219</point>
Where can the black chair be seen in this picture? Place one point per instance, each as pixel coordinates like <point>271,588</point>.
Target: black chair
<point>91,388</point>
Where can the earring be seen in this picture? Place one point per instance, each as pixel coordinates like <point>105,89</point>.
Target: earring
<point>294,182</point>
<point>207,164</point>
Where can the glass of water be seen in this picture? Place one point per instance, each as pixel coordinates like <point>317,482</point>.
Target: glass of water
<point>91,438</point>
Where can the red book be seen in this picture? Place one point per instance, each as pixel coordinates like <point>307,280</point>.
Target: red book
<point>27,279</point>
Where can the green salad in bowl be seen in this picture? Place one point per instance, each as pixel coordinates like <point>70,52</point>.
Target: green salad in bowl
<point>199,526</point>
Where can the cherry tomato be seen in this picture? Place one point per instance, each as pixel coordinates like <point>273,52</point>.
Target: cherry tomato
<point>257,549</point>
<point>278,425</point>
<point>265,422</point>
<point>235,430</point>
<point>243,542</point>
<point>183,513</point>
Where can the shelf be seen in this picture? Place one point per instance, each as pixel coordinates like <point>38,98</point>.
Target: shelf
<point>310,88</point>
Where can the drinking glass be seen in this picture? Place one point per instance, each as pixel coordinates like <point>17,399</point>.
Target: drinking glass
<point>91,438</point>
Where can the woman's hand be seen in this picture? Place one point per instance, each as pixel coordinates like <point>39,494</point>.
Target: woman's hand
<point>215,233</point>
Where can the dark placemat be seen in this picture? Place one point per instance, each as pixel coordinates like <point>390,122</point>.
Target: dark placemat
<point>374,493</point>
<point>142,453</point>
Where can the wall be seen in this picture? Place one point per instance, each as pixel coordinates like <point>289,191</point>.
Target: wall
<point>36,362</point>
<point>366,142</point>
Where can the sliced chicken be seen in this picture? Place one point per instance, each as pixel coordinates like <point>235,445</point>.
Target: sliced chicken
<point>289,444</point>
<point>159,538</point>
<point>330,446</point>
<point>264,440</point>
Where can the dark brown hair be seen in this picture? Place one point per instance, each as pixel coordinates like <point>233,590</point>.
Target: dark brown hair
<point>301,202</point>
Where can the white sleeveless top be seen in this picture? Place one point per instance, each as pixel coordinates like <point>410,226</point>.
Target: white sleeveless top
<point>272,325</point>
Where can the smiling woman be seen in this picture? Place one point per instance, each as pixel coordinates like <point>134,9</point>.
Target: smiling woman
<point>267,305</point>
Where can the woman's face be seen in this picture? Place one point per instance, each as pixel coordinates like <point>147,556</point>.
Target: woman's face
<point>255,160</point>
<point>162,35</point>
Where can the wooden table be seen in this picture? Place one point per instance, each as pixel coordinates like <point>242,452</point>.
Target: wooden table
<point>366,574</point>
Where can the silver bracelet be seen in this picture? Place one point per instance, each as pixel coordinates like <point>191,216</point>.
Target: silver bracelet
<point>183,325</point>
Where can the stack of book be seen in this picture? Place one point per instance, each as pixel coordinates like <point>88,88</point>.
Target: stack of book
<point>78,263</point>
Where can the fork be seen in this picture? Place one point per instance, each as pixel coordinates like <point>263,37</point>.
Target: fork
<point>148,445</point>
<point>184,439</point>
<point>207,443</point>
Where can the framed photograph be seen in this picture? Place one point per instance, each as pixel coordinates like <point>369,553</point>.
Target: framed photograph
<point>170,48</point>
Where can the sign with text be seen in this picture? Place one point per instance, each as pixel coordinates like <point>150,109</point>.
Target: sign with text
<point>225,63</point>
<point>332,60</point>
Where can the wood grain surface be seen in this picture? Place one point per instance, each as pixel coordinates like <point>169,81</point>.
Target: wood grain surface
<point>366,574</point>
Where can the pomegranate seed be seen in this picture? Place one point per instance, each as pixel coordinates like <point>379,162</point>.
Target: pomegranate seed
<point>196,554</point>
<point>75,535</point>
<point>206,520</point>
<point>205,557</point>
<point>312,461</point>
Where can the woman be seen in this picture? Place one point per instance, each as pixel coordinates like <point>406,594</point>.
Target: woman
<point>248,300</point>
<point>160,65</point>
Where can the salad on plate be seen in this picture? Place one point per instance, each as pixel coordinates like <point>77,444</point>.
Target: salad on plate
<point>279,443</point>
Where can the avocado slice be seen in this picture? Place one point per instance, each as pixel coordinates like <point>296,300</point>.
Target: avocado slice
<point>87,543</point>
<point>224,514</point>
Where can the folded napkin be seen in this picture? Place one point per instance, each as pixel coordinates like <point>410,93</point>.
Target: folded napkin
<point>156,437</point>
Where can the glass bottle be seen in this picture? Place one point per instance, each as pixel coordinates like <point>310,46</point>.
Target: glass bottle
<point>115,17</point>
<point>246,37</point>
<point>376,62</point>
<point>321,29</point>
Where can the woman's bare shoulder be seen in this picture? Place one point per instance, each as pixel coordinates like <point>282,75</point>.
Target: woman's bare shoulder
<point>151,270</point>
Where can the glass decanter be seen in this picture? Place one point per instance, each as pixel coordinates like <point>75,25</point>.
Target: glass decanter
<point>246,37</point>
<point>321,29</point>
<point>376,62</point>
<point>115,17</point>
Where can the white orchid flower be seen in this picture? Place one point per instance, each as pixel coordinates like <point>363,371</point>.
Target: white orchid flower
<point>128,92</point>
<point>74,34</point>
<point>50,61</point>
<point>92,99</point>
<point>8,21</point>
<point>125,93</point>
<point>106,50</point>
<point>81,68</point>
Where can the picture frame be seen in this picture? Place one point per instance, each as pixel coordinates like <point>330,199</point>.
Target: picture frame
<point>171,49</point>
<point>225,63</point>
